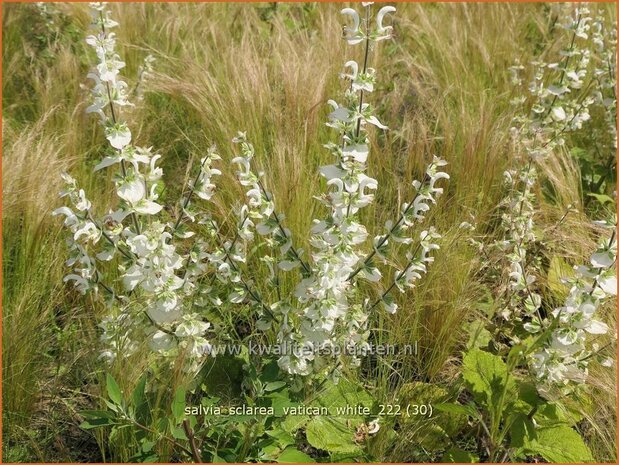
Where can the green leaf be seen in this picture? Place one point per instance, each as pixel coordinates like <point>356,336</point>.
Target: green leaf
<point>96,423</point>
<point>178,433</point>
<point>479,336</point>
<point>486,376</point>
<point>343,394</point>
<point>279,401</point>
<point>113,391</point>
<point>468,410</point>
<point>293,423</point>
<point>559,444</point>
<point>283,438</point>
<point>178,404</point>
<point>521,431</point>
<point>147,446</point>
<point>433,433</point>
<point>331,435</point>
<point>96,414</point>
<point>527,392</point>
<point>601,198</point>
<point>139,400</point>
<point>292,455</point>
<point>456,455</point>
<point>274,385</point>
<point>554,414</point>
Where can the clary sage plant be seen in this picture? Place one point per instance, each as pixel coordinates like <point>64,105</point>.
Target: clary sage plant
<point>162,260</point>
<point>563,95</point>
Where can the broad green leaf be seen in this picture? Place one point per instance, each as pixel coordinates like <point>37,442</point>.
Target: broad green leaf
<point>486,376</point>
<point>283,438</point>
<point>456,455</point>
<point>527,392</point>
<point>601,198</point>
<point>113,390</point>
<point>96,423</point>
<point>521,430</point>
<point>345,393</point>
<point>332,435</point>
<point>479,336</point>
<point>274,385</point>
<point>554,414</point>
<point>178,433</point>
<point>292,455</point>
<point>279,401</point>
<point>559,444</point>
<point>293,423</point>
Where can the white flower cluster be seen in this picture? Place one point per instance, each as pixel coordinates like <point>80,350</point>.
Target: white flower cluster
<point>558,105</point>
<point>325,294</point>
<point>84,236</point>
<point>331,316</point>
<point>563,94</point>
<point>158,283</point>
<point>561,101</point>
<point>162,285</point>
<point>604,38</point>
<point>565,357</point>
<point>517,220</point>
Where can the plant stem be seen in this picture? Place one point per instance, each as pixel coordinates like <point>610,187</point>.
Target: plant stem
<point>386,237</point>
<point>186,202</point>
<point>397,278</point>
<point>246,286</point>
<point>111,104</point>
<point>195,452</point>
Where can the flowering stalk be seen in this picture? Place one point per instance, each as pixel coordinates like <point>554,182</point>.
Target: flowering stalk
<point>425,194</point>
<point>164,285</point>
<point>160,284</point>
<point>564,358</point>
<point>325,294</point>
<point>563,93</point>
<point>261,207</point>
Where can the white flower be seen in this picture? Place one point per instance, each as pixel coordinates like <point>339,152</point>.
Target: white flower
<point>161,342</point>
<point>132,190</point>
<point>118,135</point>
<point>354,67</point>
<point>558,114</point>
<point>373,426</point>
<point>603,259</point>
<point>352,34</point>
<point>608,284</point>
<point>147,207</point>
<point>383,32</point>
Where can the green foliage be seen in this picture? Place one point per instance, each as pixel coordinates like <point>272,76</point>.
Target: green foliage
<point>486,376</point>
<point>455,455</point>
<point>557,444</point>
<point>450,98</point>
<point>515,419</point>
<point>331,435</point>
